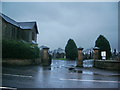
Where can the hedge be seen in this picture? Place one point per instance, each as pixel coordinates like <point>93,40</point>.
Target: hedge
<point>19,50</point>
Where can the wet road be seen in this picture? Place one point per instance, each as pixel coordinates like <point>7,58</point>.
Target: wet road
<point>56,76</point>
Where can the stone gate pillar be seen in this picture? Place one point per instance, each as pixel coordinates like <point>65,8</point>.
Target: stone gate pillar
<point>96,53</point>
<point>80,57</point>
<point>45,56</point>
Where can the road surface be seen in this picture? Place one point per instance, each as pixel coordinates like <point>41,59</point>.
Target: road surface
<point>55,76</point>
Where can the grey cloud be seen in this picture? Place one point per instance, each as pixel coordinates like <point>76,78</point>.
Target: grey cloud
<point>57,22</point>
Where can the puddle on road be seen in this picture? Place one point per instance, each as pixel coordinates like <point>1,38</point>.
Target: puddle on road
<point>73,70</point>
<point>87,72</point>
<point>71,65</point>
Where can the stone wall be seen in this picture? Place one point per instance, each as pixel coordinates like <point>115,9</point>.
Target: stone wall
<point>107,64</point>
<point>20,62</point>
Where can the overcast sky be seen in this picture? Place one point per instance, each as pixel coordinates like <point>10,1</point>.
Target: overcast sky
<point>58,21</point>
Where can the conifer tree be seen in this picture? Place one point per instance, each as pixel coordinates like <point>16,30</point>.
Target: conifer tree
<point>71,50</point>
<point>104,45</point>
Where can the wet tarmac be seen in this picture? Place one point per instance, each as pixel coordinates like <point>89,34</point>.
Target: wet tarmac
<point>58,75</point>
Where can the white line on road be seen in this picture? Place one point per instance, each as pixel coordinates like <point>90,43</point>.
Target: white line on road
<point>91,80</point>
<point>7,88</point>
<point>18,75</point>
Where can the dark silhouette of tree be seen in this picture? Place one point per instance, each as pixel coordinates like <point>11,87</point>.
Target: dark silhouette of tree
<point>104,45</point>
<point>71,50</point>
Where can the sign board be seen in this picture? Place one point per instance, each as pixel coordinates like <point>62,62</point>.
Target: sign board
<point>103,53</point>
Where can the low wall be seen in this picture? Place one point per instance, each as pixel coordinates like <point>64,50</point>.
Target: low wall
<point>107,64</point>
<point>20,61</point>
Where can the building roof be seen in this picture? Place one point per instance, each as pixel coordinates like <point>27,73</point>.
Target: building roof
<point>59,50</point>
<point>96,48</point>
<point>44,47</point>
<point>22,25</point>
<point>9,20</point>
<point>28,25</point>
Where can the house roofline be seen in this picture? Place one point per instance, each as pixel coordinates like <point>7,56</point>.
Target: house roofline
<point>17,23</point>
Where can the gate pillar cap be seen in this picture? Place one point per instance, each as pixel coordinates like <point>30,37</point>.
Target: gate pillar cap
<point>45,47</point>
<point>96,48</point>
<point>80,48</point>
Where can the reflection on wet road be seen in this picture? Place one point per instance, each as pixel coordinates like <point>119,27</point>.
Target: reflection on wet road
<point>56,76</point>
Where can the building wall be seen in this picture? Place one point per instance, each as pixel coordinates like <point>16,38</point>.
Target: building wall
<point>29,35</point>
<point>9,31</point>
<point>25,35</point>
<point>34,34</point>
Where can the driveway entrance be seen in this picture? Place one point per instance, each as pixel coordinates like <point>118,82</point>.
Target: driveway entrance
<point>88,63</point>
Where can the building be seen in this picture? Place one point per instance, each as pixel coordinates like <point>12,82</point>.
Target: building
<point>88,53</point>
<point>25,31</point>
<point>58,53</point>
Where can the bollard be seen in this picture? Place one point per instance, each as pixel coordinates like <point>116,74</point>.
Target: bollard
<point>80,57</point>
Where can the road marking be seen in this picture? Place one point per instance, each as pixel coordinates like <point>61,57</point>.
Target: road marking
<point>18,75</point>
<point>8,88</point>
<point>90,80</point>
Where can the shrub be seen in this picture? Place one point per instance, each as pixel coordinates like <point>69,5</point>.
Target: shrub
<point>19,50</point>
